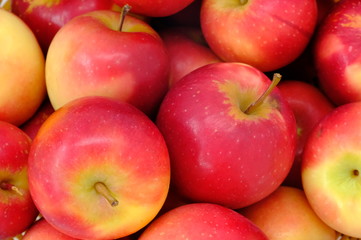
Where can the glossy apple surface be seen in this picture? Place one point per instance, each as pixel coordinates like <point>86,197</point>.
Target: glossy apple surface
<point>94,145</point>
<point>219,152</point>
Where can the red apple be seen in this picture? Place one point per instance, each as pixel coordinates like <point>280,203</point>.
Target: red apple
<point>337,53</point>
<point>201,221</point>
<point>222,150</point>
<point>17,209</point>
<point>265,34</point>
<point>98,169</point>
<point>331,166</point>
<point>309,106</point>
<point>45,18</point>
<point>286,214</point>
<point>91,56</point>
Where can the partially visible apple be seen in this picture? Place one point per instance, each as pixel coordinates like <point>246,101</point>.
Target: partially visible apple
<point>201,221</point>
<point>287,215</point>
<point>331,167</point>
<point>265,34</point>
<point>98,169</point>
<point>21,70</point>
<point>17,209</point>
<point>6,4</point>
<point>93,55</point>
<point>222,150</point>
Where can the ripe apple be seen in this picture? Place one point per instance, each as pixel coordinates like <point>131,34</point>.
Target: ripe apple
<point>91,56</point>
<point>331,166</point>
<point>222,150</point>
<point>200,221</point>
<point>337,53</point>
<point>98,169</point>
<point>17,209</point>
<point>159,8</point>
<point>309,106</point>
<point>21,70</point>
<point>287,215</point>
<point>265,34</point>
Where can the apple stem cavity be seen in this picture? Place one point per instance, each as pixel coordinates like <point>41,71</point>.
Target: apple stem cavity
<point>103,190</point>
<point>10,187</point>
<point>125,10</point>
<point>276,79</point>
<point>243,2</point>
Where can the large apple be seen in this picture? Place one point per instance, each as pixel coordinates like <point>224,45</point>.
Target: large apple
<point>45,18</point>
<point>17,209</point>
<point>337,52</point>
<point>287,215</point>
<point>223,151</point>
<point>93,55</point>
<point>21,70</point>
<point>265,34</point>
<point>201,221</point>
<point>98,169</point>
<point>331,166</point>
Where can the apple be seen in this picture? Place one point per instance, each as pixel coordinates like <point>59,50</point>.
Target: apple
<point>185,53</point>
<point>98,169</point>
<point>200,221</point>
<point>91,56</point>
<point>6,4</point>
<point>45,18</point>
<point>286,214</point>
<point>331,164</point>
<point>21,70</point>
<point>17,209</point>
<point>337,53</point>
<point>265,34</point>
<point>309,106</point>
<point>159,8</point>
<point>224,148</point>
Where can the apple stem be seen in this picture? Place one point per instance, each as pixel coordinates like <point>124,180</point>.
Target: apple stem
<point>11,187</point>
<point>276,79</point>
<point>105,192</point>
<point>125,9</point>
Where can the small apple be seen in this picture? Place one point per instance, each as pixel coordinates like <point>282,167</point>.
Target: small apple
<point>286,215</point>
<point>90,56</point>
<point>17,209</point>
<point>265,34</point>
<point>21,70</point>
<point>225,145</point>
<point>98,169</point>
<point>331,166</point>
<point>201,221</point>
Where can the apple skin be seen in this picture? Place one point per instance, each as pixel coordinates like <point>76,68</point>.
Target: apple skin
<point>200,221</point>
<point>287,215</point>
<point>265,34</point>
<point>330,169</point>
<point>98,139</point>
<point>218,153</point>
<point>45,18</point>
<point>17,210</point>
<point>131,65</point>
<point>309,106</point>
<point>337,53</point>
<point>22,78</point>
<point>159,8</point>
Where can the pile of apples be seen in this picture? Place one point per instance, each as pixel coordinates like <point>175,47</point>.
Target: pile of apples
<point>180,119</point>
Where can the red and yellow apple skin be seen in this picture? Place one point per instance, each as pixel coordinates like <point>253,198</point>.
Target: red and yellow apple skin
<point>287,215</point>
<point>219,153</point>
<point>90,56</point>
<point>17,209</point>
<point>265,34</point>
<point>337,53</point>
<point>331,165</point>
<point>201,221</point>
<point>22,78</point>
<point>309,106</point>
<point>98,140</point>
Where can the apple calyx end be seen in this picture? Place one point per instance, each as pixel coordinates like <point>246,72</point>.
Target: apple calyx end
<point>10,187</point>
<point>103,190</point>
<point>125,10</point>
<point>355,173</point>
